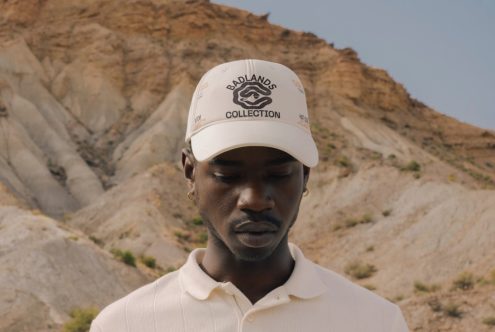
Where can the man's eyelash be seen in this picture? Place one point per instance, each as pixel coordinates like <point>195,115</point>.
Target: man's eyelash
<point>225,177</point>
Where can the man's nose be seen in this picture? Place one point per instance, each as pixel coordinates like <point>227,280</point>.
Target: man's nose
<point>255,197</point>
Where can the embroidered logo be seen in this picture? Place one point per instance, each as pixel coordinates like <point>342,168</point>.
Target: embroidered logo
<point>252,92</point>
<point>252,95</point>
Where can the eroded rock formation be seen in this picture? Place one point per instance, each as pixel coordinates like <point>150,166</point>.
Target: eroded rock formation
<point>93,104</point>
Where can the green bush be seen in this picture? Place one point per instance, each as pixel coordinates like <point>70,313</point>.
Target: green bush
<point>128,258</point>
<point>171,269</point>
<point>181,236</point>
<point>370,287</point>
<point>351,222</point>
<point>202,238</point>
<point>343,161</point>
<point>420,287</point>
<point>492,277</point>
<point>464,281</point>
<point>96,240</point>
<point>81,319</point>
<point>149,261</point>
<point>490,321</point>
<point>387,212</point>
<point>424,288</point>
<point>125,256</point>
<point>435,305</point>
<point>452,310</point>
<point>359,270</point>
<point>365,219</point>
<point>412,166</point>
<point>197,221</point>
<point>376,155</point>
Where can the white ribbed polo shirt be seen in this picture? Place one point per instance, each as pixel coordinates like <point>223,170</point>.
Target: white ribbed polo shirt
<point>313,299</point>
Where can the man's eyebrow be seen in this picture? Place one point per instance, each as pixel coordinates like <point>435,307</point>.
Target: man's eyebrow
<point>282,160</point>
<point>224,162</point>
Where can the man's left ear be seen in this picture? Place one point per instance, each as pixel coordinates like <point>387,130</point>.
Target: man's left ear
<point>188,168</point>
<point>306,171</point>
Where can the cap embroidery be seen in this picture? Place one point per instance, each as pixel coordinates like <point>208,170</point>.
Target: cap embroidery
<point>252,93</point>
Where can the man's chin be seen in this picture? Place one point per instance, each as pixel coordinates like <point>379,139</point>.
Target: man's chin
<point>250,254</point>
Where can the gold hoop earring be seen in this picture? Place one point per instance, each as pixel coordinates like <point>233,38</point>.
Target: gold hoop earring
<point>190,195</point>
<point>305,192</point>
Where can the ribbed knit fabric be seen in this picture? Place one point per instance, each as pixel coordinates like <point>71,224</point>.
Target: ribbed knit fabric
<point>313,299</point>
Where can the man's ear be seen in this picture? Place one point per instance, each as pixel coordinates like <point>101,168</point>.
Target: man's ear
<point>188,166</point>
<point>306,171</point>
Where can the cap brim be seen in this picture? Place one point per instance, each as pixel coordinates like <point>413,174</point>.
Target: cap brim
<point>221,137</point>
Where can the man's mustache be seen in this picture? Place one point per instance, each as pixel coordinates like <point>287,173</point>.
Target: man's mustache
<point>257,217</point>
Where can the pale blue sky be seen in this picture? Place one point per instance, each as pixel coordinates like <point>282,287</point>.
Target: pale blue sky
<point>443,51</point>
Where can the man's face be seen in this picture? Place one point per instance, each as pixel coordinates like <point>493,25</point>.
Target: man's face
<point>249,198</point>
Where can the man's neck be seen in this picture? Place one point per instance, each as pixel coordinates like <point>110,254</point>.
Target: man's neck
<point>254,279</point>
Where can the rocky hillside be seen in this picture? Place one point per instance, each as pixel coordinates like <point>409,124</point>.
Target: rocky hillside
<point>93,103</point>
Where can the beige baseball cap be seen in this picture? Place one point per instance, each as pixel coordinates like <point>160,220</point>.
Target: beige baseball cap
<point>250,103</point>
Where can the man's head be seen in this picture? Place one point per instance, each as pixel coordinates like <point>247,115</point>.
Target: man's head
<point>248,156</point>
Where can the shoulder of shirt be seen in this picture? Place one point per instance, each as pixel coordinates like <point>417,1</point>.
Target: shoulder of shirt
<point>113,317</point>
<point>363,302</point>
<point>364,296</point>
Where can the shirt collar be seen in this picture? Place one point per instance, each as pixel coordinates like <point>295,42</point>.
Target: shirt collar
<point>304,282</point>
<point>193,279</point>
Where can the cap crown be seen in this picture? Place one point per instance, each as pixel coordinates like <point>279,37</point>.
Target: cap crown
<point>248,90</point>
<point>250,103</point>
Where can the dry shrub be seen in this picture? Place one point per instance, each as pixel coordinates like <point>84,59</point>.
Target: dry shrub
<point>360,270</point>
<point>464,281</point>
<point>81,319</point>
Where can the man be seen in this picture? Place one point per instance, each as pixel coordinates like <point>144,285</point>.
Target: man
<point>247,164</point>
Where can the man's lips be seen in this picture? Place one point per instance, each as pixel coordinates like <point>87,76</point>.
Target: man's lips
<point>256,234</point>
<point>249,226</point>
